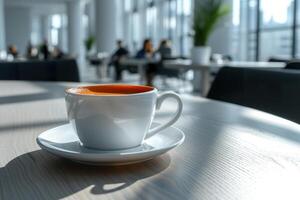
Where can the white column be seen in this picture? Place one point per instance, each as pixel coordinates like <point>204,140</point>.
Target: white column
<point>105,25</point>
<point>2,26</point>
<point>119,19</point>
<point>75,10</point>
<point>91,15</point>
<point>44,27</point>
<point>36,36</point>
<point>64,35</point>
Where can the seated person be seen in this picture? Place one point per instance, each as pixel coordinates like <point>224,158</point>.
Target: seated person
<point>116,57</point>
<point>148,52</point>
<point>12,50</point>
<point>164,50</point>
<point>44,49</point>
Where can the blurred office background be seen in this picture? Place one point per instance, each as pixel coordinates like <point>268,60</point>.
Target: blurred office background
<point>255,30</point>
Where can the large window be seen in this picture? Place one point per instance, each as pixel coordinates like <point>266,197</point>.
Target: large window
<point>55,28</point>
<point>151,21</point>
<point>275,28</point>
<point>58,31</point>
<point>158,19</point>
<point>261,28</point>
<point>184,19</point>
<point>265,29</point>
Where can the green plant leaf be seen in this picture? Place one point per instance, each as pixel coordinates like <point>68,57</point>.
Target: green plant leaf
<point>89,43</point>
<point>206,17</point>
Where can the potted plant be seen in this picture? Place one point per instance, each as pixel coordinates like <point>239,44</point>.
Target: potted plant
<point>207,14</point>
<point>89,43</point>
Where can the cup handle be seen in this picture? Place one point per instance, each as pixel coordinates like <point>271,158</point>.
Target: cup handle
<point>160,99</point>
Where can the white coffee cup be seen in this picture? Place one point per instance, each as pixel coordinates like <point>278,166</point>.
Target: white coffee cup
<point>116,121</point>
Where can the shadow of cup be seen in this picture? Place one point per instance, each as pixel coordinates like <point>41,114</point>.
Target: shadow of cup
<point>40,175</point>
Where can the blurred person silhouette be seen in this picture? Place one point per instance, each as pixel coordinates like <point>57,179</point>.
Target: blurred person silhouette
<point>119,53</point>
<point>164,50</point>
<point>147,52</point>
<point>45,49</point>
<point>12,50</point>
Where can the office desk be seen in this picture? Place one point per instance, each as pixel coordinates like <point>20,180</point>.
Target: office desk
<point>204,69</point>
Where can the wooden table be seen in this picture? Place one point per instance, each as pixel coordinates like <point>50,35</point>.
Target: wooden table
<point>230,152</point>
<point>205,69</point>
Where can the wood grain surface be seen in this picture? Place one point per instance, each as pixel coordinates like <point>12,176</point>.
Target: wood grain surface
<point>230,152</point>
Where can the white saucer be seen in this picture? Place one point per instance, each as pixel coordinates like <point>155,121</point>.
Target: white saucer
<point>63,141</point>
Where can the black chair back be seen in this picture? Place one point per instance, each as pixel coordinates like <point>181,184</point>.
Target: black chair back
<point>272,91</point>
<point>276,59</point>
<point>293,65</point>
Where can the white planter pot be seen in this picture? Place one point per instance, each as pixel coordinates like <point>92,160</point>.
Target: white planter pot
<point>201,55</point>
